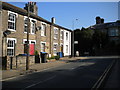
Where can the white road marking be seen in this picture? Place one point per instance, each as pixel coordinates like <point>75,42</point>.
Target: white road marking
<point>39,82</point>
<point>29,73</point>
<point>11,78</point>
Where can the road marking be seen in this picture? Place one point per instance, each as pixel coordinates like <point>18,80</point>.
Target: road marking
<point>11,78</point>
<point>29,73</point>
<point>39,82</point>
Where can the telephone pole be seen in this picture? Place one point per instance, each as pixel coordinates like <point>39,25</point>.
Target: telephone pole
<point>28,29</point>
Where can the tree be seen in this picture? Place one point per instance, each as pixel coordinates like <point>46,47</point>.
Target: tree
<point>84,37</point>
<point>100,39</point>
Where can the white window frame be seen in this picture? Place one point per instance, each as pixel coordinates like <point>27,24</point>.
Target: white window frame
<point>33,25</point>
<point>43,30</point>
<point>15,17</point>
<point>66,48</point>
<point>67,36</point>
<point>61,35</point>
<point>56,33</point>
<point>13,47</point>
<point>55,49</point>
<point>25,24</point>
<point>41,46</point>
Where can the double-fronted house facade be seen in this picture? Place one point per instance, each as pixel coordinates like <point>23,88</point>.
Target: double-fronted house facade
<point>44,36</point>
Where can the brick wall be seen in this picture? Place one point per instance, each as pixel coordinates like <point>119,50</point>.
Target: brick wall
<point>19,61</point>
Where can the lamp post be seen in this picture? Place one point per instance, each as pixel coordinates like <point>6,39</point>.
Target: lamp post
<point>28,29</point>
<point>73,38</point>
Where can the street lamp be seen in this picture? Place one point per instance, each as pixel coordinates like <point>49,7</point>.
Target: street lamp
<point>73,37</point>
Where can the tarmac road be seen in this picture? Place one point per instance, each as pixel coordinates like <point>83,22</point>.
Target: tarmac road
<point>74,74</point>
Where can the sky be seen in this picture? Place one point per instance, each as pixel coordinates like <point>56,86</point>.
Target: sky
<point>66,13</point>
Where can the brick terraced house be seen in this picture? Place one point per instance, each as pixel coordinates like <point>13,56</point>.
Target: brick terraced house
<point>44,36</point>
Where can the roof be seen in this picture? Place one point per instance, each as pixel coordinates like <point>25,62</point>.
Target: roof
<point>106,25</point>
<point>21,11</point>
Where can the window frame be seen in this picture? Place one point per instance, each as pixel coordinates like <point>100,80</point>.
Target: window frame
<point>43,29</point>
<point>113,32</point>
<point>33,23</point>
<point>11,46</point>
<point>66,48</point>
<point>25,24</point>
<point>67,35</point>
<point>55,49</point>
<point>61,35</point>
<point>41,46</point>
<point>13,22</point>
<point>56,33</point>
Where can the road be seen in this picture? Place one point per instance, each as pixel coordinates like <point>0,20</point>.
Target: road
<point>74,74</point>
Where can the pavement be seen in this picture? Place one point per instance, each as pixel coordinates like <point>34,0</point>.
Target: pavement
<point>9,74</point>
<point>13,73</point>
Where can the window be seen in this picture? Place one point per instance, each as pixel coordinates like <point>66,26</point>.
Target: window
<point>61,35</point>
<point>42,47</point>
<point>66,48</point>
<point>25,25</point>
<point>66,36</point>
<point>55,33</point>
<point>55,49</point>
<point>33,27</point>
<point>10,47</point>
<point>12,21</point>
<point>113,32</point>
<point>43,30</point>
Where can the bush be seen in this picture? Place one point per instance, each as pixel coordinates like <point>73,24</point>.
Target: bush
<point>57,57</point>
<point>54,57</point>
<point>36,53</point>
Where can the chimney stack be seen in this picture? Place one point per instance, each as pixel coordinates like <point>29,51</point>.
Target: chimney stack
<point>102,20</point>
<point>99,20</point>
<point>53,20</point>
<point>33,7</point>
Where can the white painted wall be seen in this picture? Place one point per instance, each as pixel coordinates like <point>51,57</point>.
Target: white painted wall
<point>67,42</point>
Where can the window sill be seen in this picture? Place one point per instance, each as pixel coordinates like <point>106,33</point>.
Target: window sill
<point>12,30</point>
<point>43,36</point>
<point>32,33</point>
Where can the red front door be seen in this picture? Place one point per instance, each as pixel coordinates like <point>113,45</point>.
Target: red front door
<point>32,49</point>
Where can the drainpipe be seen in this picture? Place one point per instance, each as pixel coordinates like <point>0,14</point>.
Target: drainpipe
<point>51,38</point>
